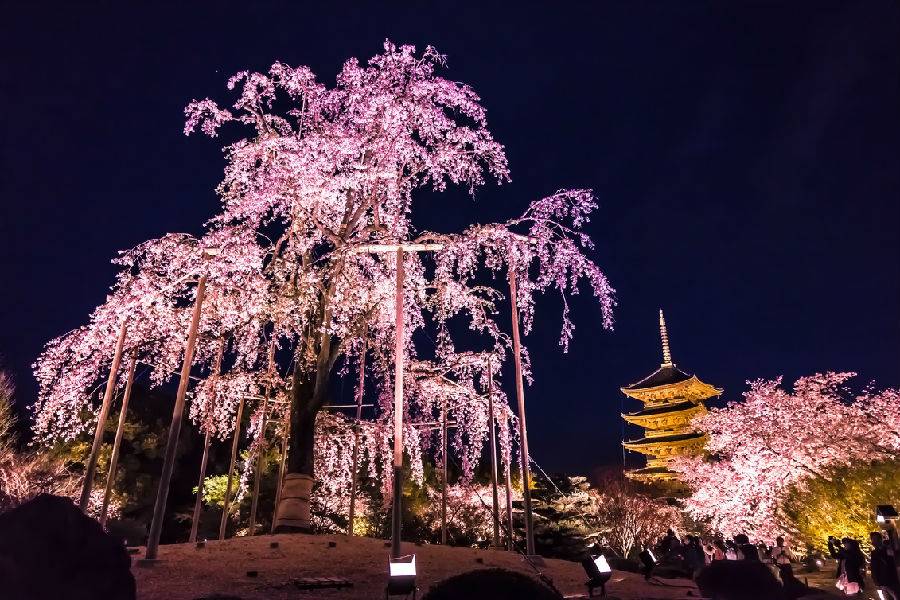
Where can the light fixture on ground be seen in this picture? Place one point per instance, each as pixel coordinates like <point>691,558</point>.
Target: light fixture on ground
<point>885,513</point>
<point>598,571</point>
<point>401,576</point>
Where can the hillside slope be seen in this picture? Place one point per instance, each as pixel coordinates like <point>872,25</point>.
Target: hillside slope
<point>185,572</point>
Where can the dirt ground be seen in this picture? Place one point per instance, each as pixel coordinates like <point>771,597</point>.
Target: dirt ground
<point>184,572</point>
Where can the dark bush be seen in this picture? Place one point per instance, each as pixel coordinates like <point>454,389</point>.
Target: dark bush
<point>50,550</point>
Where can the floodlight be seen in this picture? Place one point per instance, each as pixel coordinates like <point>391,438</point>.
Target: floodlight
<point>598,572</point>
<point>402,576</point>
<point>885,513</point>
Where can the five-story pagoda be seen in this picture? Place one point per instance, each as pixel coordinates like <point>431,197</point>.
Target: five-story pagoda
<point>671,399</point>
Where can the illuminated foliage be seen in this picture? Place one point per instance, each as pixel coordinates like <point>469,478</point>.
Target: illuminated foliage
<point>293,290</point>
<point>776,440</point>
<point>841,502</point>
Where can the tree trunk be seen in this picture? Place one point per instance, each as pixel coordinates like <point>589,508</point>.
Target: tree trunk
<point>308,392</point>
<point>307,398</point>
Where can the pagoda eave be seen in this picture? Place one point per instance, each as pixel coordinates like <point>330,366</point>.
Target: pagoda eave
<point>666,445</point>
<point>670,416</point>
<point>688,389</point>
<point>652,474</point>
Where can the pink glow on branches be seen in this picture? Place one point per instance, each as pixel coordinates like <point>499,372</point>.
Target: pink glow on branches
<point>323,173</point>
<point>776,438</point>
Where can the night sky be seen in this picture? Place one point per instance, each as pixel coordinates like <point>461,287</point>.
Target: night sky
<point>746,157</point>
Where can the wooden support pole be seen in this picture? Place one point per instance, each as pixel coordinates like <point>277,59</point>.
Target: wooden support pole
<point>195,519</point>
<point>101,421</point>
<point>493,433</point>
<point>162,492</point>
<point>354,475</point>
<point>257,479</point>
<point>444,472</point>
<point>286,428</point>
<point>399,355</point>
<point>226,505</point>
<point>117,444</point>
<point>254,500</point>
<point>523,431</point>
<point>398,378</point>
<point>509,518</point>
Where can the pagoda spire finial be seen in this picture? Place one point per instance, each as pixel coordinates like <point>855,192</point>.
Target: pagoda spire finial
<point>664,336</point>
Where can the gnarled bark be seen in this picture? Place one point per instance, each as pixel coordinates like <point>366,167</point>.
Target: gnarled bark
<point>308,394</point>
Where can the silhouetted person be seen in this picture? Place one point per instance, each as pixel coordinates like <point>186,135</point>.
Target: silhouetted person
<point>747,550</point>
<point>884,570</point>
<point>780,554</point>
<point>739,580</point>
<point>693,555</point>
<point>851,563</point>
<point>670,544</point>
<point>793,587</point>
<point>715,550</point>
<point>732,552</point>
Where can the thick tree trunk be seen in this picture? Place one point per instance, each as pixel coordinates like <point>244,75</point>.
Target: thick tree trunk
<point>292,512</point>
<point>308,392</point>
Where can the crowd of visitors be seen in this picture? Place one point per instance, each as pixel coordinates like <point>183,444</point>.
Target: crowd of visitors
<point>693,554</point>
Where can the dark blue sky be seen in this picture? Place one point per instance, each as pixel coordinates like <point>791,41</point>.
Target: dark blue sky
<point>746,156</point>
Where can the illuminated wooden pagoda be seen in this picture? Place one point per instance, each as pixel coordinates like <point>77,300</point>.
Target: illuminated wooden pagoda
<point>671,399</point>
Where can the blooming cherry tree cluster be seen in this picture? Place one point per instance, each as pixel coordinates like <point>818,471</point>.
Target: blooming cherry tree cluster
<point>777,438</point>
<point>322,176</point>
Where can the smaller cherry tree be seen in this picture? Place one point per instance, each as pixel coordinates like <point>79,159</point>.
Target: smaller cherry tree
<point>778,438</point>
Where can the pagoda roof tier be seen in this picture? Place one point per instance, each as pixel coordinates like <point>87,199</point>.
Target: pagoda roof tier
<point>664,444</point>
<point>650,471</point>
<point>668,383</point>
<point>665,415</point>
<point>661,409</point>
<point>666,374</point>
<point>652,474</point>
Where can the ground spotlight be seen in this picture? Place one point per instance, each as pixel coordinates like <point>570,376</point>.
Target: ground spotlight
<point>402,577</point>
<point>598,572</point>
<point>885,513</point>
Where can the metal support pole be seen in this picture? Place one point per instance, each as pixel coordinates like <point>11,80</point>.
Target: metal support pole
<point>444,472</point>
<point>493,433</point>
<point>523,432</point>
<point>195,519</point>
<point>399,353</point>
<point>162,492</point>
<point>117,444</point>
<point>359,402</point>
<point>226,505</point>
<point>254,501</point>
<point>101,421</point>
